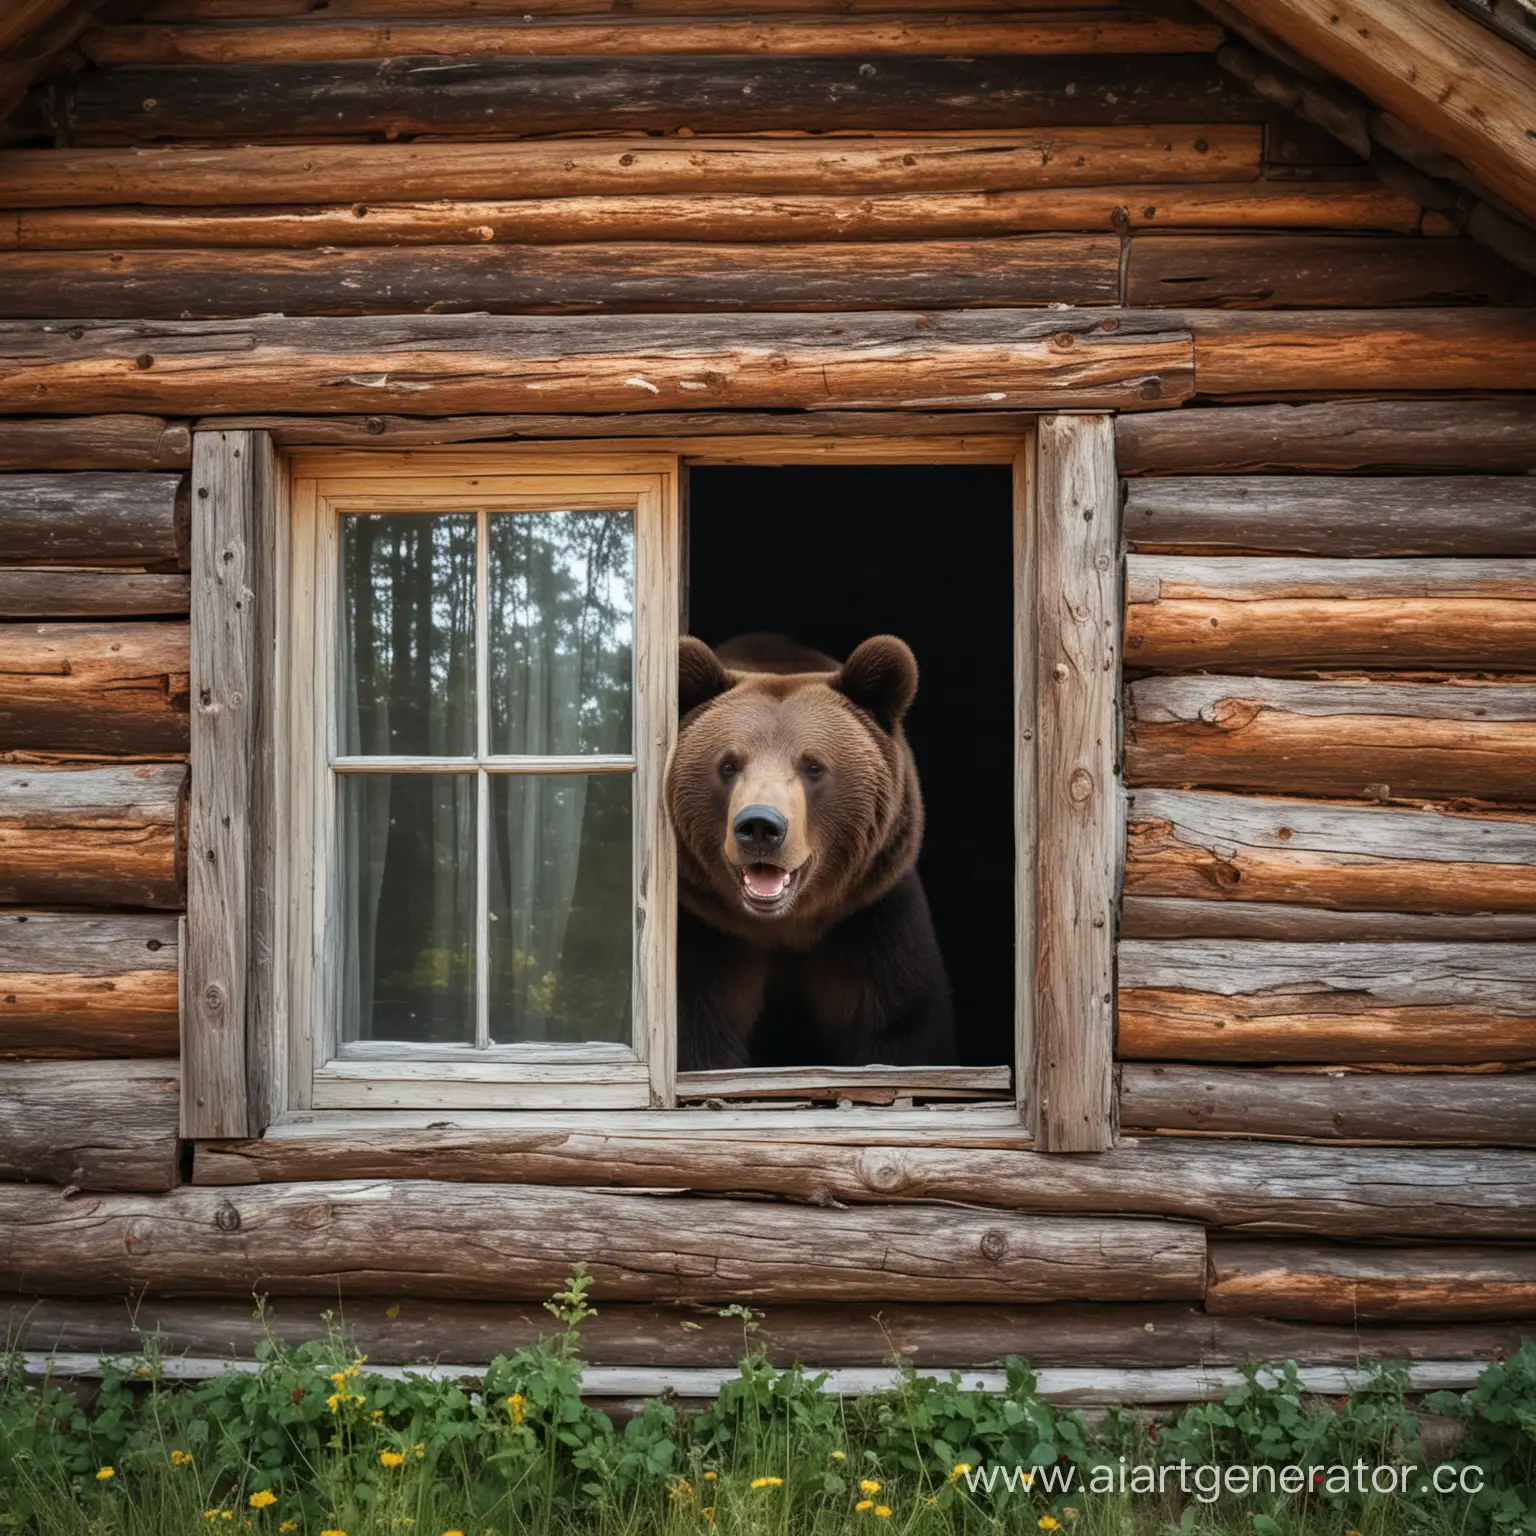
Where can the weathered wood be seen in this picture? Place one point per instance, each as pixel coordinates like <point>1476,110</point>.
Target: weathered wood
<point>318,41</point>
<point>567,279</point>
<point>1235,614</point>
<point>371,1239</point>
<point>1336,1284</point>
<point>1056,157</point>
<point>1363,740</point>
<point>1311,515</point>
<point>690,215</point>
<point>1227,1000</point>
<point>1267,271</point>
<point>1185,844</point>
<point>24,16</point>
<point>89,1124</point>
<point>707,95</point>
<point>1076,823</point>
<point>1513,20</point>
<point>49,592</point>
<point>1487,436</point>
<point>92,442</point>
<point>1178,917</point>
<point>94,687</point>
<point>1464,1109</point>
<point>101,836</point>
<point>87,986</point>
<point>94,518</point>
<point>244,10</point>
<point>442,364</point>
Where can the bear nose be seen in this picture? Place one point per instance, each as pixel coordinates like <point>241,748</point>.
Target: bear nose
<point>760,830</point>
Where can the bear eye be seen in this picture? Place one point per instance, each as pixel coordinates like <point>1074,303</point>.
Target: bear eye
<point>729,767</point>
<point>813,767</point>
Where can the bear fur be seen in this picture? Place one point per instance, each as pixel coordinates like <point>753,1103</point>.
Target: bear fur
<point>817,949</point>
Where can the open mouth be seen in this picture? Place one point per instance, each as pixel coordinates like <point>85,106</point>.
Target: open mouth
<point>767,886</point>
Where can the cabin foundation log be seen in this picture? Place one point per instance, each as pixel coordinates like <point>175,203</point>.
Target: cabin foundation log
<point>94,443</point>
<point>91,518</point>
<point>49,592</point>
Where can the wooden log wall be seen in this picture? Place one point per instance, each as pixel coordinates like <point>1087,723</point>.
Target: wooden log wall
<point>685,219</point>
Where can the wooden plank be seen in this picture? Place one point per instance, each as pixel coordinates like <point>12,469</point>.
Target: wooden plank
<point>863,1085</point>
<point>93,442</point>
<point>75,985</point>
<point>1186,844</point>
<point>1058,156</point>
<point>89,1124</point>
<point>372,1239</point>
<point>24,16</point>
<point>706,95</point>
<point>1468,515</point>
<point>613,278</point>
<point>1492,436</point>
<point>1463,1109</point>
<point>1180,917</point>
<point>1077,829</point>
<point>1230,1000</point>
<point>1270,271</point>
<point>51,592</point>
<point>242,10</point>
<point>1335,1284</point>
<point>690,215</point>
<point>1359,740</point>
<point>444,364</point>
<point>101,836</point>
<point>94,518</point>
<point>978,35</point>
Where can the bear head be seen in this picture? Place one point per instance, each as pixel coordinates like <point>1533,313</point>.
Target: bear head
<point>793,793</point>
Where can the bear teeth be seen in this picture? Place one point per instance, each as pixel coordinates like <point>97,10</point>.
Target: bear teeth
<point>765,882</point>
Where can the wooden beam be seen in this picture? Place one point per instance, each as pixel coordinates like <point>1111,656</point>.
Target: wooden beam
<point>446,364</point>
<point>94,518</point>
<point>252,10</point>
<point>1403,1108</point>
<point>48,592</point>
<point>93,442</point>
<point>1469,92</point>
<point>1186,917</point>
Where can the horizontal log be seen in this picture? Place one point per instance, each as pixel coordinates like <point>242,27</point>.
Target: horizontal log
<point>405,96</point>
<point>322,40</point>
<point>442,364</point>
<point>1227,1000</point>
<point>1361,740</point>
<point>1260,271</point>
<point>370,1239</point>
<point>1465,1109</point>
<point>1467,515</point>
<point>899,163</point>
<point>1181,917</point>
<point>1343,1192</point>
<point>100,836</point>
<point>76,985</point>
<point>1331,1284</point>
<point>90,1124</point>
<point>752,216</point>
<point>49,592</point>
<point>1234,614</point>
<point>95,687</point>
<point>1144,1335</point>
<point>246,10</point>
<point>94,518</point>
<point>1486,436</point>
<point>1185,844</point>
<point>613,278</point>
<point>93,442</point>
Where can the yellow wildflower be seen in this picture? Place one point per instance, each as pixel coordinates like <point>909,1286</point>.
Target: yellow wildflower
<point>1047,1523</point>
<point>681,1490</point>
<point>838,1456</point>
<point>289,1525</point>
<point>864,1504</point>
<point>961,1468</point>
<point>390,1458</point>
<point>767,1482</point>
<point>333,1533</point>
<point>882,1512</point>
<point>1349,1530</point>
<point>263,1499</point>
<point>515,1403</point>
<point>421,1450</point>
<point>181,1458</point>
<point>869,1485</point>
<point>105,1473</point>
<point>453,1533</point>
<point>710,1477</point>
<point>333,1402</point>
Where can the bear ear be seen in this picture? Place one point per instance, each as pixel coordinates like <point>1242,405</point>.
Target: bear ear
<point>700,676</point>
<point>881,678</point>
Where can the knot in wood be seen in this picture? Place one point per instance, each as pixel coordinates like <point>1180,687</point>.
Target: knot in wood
<point>1063,340</point>
<point>213,997</point>
<point>882,1172</point>
<point>1080,786</point>
<point>993,1244</point>
<point>227,1218</point>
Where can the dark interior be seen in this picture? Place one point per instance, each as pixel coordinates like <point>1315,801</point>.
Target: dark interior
<point>831,555</point>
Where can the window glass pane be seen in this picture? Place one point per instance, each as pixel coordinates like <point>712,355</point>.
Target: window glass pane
<point>408,634</point>
<point>407,890</point>
<point>561,631</point>
<point>562,909</point>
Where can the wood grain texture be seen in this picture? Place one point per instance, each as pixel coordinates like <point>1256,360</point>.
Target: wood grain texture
<point>1092,155</point>
<point>52,592</point>
<point>94,518</point>
<point>1356,740</point>
<point>93,442</point>
<point>446,364</point>
<point>1492,436</point>
<point>377,1239</point>
<point>632,277</point>
<point>1185,917</point>
<point>1077,539</point>
<point>1467,515</point>
<point>89,1124</point>
<point>243,10</point>
<point>1407,1109</point>
<point>1229,1000</point>
<point>1318,1283</point>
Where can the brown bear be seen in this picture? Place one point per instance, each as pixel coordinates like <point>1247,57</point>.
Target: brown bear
<point>804,935</point>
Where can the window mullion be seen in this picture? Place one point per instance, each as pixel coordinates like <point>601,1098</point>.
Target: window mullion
<point>482,782</point>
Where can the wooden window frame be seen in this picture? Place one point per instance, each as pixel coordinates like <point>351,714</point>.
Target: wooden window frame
<point>247,1058</point>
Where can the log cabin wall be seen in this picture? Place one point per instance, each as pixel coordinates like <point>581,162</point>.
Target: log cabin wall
<point>1327,981</point>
